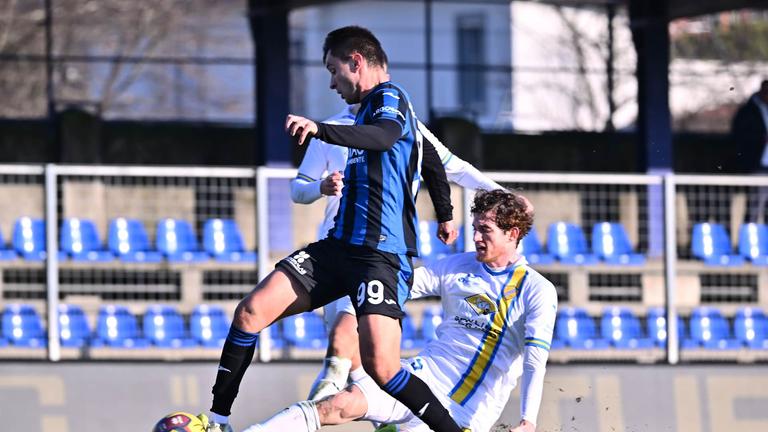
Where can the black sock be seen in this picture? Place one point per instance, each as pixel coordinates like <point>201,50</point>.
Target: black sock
<point>416,395</point>
<point>236,356</point>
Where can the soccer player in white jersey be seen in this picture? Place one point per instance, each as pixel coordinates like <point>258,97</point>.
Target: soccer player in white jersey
<point>320,175</point>
<point>498,319</point>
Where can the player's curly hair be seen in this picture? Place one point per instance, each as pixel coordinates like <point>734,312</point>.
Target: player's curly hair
<point>343,41</point>
<point>512,210</point>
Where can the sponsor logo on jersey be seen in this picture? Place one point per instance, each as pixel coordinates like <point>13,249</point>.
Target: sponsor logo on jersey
<point>356,156</point>
<point>297,260</point>
<point>389,110</point>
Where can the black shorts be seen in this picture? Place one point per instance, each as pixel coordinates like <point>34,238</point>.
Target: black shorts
<point>377,282</point>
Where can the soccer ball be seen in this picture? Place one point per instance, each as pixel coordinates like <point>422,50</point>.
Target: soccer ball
<point>181,422</point>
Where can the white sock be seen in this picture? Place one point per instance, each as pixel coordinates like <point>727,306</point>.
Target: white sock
<point>357,374</point>
<point>216,418</point>
<point>300,417</point>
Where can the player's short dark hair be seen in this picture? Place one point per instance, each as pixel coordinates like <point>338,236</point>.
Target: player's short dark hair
<point>343,41</point>
<point>511,209</point>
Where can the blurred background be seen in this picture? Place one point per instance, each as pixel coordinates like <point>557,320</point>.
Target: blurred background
<point>144,190</point>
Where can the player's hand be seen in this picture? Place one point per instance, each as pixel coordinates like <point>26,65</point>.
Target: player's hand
<point>302,126</point>
<point>332,184</point>
<point>524,426</point>
<point>447,232</point>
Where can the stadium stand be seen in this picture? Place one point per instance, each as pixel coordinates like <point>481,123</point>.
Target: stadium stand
<point>578,330</point>
<point>73,326</point>
<point>80,240</point>
<point>531,247</point>
<point>710,330</point>
<point>430,319</point>
<point>117,327</point>
<point>209,325</point>
<point>611,244</point>
<point>29,238</point>
<point>750,327</point>
<point>622,328</point>
<point>305,331</point>
<point>6,253</point>
<point>21,325</point>
<point>164,327</point>
<point>176,240</point>
<point>753,243</point>
<point>567,242</point>
<point>411,340</point>
<point>710,243</point>
<point>222,239</point>
<point>128,239</point>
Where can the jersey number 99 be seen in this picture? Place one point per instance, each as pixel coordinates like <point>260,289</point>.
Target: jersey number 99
<point>374,291</point>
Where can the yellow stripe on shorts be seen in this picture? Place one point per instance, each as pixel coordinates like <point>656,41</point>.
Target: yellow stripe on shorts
<point>491,339</point>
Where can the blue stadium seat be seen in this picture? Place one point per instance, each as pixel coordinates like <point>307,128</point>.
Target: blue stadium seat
<point>73,326</point>
<point>29,238</point>
<point>6,253</point>
<point>117,327</point>
<point>222,239</point>
<point>750,326</point>
<point>128,239</point>
<point>530,246</point>
<point>22,326</point>
<point>80,240</point>
<point>710,243</point>
<point>656,319</point>
<point>431,318</point>
<point>410,338</point>
<point>567,242</point>
<point>709,329</point>
<point>622,328</point>
<point>458,246</point>
<point>578,330</point>
<point>209,325</point>
<point>305,330</point>
<point>176,240</point>
<point>164,327</point>
<point>611,244</point>
<point>430,247</point>
<point>753,243</point>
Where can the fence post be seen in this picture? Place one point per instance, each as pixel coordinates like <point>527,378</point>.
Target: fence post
<point>262,213</point>
<point>52,262</point>
<point>670,271</point>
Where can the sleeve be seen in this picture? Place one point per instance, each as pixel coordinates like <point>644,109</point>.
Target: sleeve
<point>437,183</point>
<point>305,187</point>
<point>458,170</point>
<point>378,136</point>
<point>539,325</point>
<point>426,282</point>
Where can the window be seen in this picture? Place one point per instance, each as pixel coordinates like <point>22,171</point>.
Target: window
<point>471,62</point>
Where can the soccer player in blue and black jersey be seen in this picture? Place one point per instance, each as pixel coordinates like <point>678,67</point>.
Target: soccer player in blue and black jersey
<point>367,255</point>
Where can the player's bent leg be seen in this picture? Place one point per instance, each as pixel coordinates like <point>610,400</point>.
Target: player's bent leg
<point>276,296</point>
<point>342,355</point>
<point>380,353</point>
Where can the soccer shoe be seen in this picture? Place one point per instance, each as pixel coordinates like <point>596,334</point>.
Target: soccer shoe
<point>218,427</point>
<point>386,428</point>
<point>324,388</point>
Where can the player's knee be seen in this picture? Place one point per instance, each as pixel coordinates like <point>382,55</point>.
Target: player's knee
<point>248,316</point>
<point>381,370</point>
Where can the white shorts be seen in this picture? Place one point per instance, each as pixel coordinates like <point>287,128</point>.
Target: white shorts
<point>334,308</point>
<point>383,408</point>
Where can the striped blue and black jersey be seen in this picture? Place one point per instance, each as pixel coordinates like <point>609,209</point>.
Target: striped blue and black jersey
<point>377,207</point>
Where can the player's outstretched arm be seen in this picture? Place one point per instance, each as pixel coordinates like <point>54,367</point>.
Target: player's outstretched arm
<point>440,192</point>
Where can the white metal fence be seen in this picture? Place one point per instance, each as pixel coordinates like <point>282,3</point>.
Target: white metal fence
<point>658,213</point>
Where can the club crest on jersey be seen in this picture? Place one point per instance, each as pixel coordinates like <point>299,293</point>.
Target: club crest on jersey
<point>297,260</point>
<point>481,304</point>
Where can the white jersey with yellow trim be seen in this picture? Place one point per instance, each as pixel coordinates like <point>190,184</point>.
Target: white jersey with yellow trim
<point>490,318</point>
